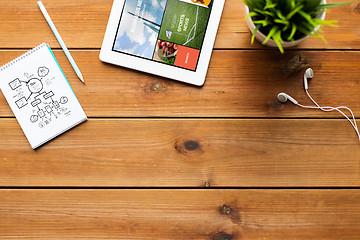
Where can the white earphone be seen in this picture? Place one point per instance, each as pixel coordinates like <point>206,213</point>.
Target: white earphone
<point>283,97</point>
<point>309,73</point>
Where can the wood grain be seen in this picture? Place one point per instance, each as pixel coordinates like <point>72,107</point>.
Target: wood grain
<point>232,132</point>
<point>82,24</point>
<point>180,214</point>
<point>185,153</point>
<point>237,85</point>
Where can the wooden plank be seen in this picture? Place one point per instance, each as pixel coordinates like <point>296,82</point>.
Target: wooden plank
<point>82,24</point>
<point>185,153</point>
<point>180,214</point>
<point>237,85</point>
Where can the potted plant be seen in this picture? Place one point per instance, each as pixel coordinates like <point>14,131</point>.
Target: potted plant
<point>286,23</point>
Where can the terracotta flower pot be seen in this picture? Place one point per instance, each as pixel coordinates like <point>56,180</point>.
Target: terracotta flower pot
<point>259,36</point>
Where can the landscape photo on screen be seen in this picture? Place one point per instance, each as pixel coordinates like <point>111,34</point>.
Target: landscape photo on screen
<point>167,31</point>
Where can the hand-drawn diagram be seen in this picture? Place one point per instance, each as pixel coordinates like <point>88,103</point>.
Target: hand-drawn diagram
<point>31,93</point>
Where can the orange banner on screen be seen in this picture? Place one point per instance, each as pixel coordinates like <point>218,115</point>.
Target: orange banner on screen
<point>203,2</point>
<point>187,57</point>
<point>199,2</point>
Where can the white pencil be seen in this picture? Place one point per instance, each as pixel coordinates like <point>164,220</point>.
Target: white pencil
<point>58,37</point>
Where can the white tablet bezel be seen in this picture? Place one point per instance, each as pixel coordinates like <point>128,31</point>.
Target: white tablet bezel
<point>193,77</point>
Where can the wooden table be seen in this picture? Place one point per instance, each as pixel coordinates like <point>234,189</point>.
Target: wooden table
<point>159,159</point>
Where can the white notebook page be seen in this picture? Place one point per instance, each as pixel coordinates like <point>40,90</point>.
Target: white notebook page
<point>40,96</point>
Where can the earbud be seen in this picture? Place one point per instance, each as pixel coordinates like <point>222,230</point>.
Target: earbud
<point>283,97</point>
<point>309,73</point>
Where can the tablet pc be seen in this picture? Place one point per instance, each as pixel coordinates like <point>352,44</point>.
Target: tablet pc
<point>169,38</point>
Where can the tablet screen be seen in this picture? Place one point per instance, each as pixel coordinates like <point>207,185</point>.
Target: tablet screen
<point>167,31</point>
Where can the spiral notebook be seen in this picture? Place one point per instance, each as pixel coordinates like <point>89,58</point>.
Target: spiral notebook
<point>40,96</point>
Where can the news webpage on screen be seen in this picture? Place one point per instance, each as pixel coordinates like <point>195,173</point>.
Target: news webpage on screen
<point>167,31</point>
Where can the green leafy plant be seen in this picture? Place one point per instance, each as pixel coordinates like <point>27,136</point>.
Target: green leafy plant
<point>288,20</point>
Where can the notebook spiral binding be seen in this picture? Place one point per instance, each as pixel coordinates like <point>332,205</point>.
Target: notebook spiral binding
<point>9,64</point>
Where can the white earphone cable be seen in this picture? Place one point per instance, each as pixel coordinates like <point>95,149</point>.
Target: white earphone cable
<point>283,97</point>
<point>328,109</point>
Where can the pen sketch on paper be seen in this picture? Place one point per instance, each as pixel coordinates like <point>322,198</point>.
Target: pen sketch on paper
<point>32,92</point>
